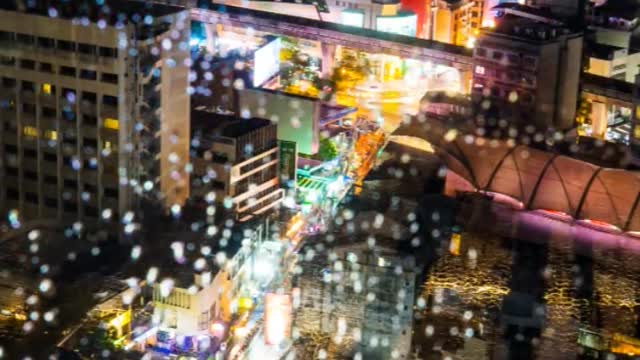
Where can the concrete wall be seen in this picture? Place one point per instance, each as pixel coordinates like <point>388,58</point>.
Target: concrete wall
<point>175,116</point>
<point>547,77</point>
<point>569,78</point>
<point>443,26</point>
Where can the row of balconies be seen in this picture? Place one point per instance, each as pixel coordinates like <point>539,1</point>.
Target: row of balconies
<point>525,61</point>
<point>15,48</point>
<point>31,210</point>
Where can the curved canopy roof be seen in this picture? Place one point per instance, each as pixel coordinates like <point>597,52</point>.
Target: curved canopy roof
<point>544,180</point>
<point>538,179</point>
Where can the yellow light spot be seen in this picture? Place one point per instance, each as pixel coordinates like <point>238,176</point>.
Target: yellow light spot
<point>454,245</point>
<point>51,134</point>
<point>471,42</point>
<point>30,131</point>
<point>46,89</point>
<point>107,144</point>
<point>513,96</point>
<point>112,124</point>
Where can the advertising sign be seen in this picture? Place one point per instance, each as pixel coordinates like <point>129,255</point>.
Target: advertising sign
<point>402,24</point>
<point>277,318</point>
<point>288,151</point>
<point>266,62</point>
<point>352,17</point>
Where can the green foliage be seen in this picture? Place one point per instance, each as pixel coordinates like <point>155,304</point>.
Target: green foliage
<point>327,150</point>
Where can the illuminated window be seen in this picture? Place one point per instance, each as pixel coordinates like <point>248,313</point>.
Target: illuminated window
<point>454,244</point>
<point>51,134</point>
<point>636,132</point>
<point>112,124</point>
<point>480,70</point>
<point>30,131</point>
<point>109,146</point>
<point>638,112</point>
<point>46,89</point>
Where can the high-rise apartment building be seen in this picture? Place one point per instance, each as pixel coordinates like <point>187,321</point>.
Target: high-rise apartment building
<point>533,66</point>
<point>237,159</point>
<point>94,107</point>
<point>456,21</point>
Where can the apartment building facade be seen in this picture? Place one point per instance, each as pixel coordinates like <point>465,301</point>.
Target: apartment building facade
<point>92,108</point>
<point>530,68</point>
<point>456,21</point>
<point>237,159</point>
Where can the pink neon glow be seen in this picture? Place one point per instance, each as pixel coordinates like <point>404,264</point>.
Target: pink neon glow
<point>454,183</point>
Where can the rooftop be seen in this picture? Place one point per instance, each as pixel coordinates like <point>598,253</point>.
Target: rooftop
<point>602,51</point>
<point>221,125</point>
<point>524,9</point>
<point>623,9</point>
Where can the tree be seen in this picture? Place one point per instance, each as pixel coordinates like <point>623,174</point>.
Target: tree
<point>327,150</point>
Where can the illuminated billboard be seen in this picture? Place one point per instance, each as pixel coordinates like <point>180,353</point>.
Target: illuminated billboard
<point>266,62</point>
<point>277,318</point>
<point>403,24</point>
<point>352,17</point>
<point>296,116</point>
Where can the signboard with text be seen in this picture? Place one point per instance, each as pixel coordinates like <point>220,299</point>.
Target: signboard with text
<point>288,154</point>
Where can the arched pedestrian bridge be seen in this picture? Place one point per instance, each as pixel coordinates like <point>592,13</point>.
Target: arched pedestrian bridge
<point>535,179</point>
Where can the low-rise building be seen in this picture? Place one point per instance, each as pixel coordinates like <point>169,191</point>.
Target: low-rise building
<point>237,159</point>
<point>612,61</point>
<point>200,304</point>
